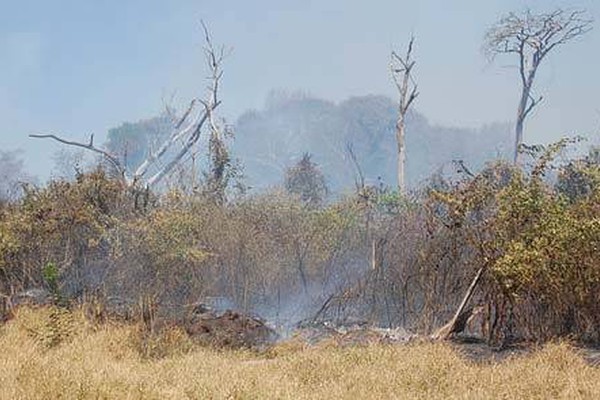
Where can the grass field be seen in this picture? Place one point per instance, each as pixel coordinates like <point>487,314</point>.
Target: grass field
<point>49,354</point>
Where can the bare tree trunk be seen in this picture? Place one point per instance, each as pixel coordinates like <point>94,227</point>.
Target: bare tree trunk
<point>401,68</point>
<point>520,123</point>
<point>400,139</point>
<point>526,105</point>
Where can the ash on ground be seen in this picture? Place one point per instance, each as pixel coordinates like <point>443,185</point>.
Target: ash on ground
<point>358,333</point>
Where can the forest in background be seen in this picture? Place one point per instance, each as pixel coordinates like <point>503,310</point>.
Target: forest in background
<point>270,140</point>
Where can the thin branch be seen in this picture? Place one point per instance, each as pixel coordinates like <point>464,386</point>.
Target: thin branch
<point>533,102</point>
<point>360,182</point>
<point>462,168</point>
<point>90,146</point>
<point>413,95</point>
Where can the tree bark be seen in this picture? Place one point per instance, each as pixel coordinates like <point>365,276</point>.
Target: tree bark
<point>400,139</point>
<point>401,68</point>
<point>520,123</point>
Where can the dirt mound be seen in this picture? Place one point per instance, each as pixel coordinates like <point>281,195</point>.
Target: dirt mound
<point>228,329</point>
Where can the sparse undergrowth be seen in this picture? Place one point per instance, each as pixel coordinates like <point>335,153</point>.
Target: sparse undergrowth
<point>107,361</point>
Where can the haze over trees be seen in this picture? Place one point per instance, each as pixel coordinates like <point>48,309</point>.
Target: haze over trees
<point>306,181</point>
<point>12,175</point>
<point>133,142</point>
<point>518,244</point>
<point>271,139</point>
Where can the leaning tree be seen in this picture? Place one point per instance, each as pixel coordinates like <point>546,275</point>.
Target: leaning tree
<point>531,37</point>
<point>185,133</point>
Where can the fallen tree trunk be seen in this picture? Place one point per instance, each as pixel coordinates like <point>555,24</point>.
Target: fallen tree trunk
<point>461,316</point>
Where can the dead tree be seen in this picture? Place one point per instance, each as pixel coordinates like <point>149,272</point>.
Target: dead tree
<point>401,68</point>
<point>462,314</point>
<point>531,37</point>
<point>186,131</point>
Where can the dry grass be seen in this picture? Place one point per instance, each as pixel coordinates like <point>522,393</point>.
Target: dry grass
<point>47,354</point>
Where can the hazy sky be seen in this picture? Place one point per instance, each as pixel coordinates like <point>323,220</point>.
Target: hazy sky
<point>82,66</point>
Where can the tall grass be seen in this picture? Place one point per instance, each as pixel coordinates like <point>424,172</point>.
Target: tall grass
<point>50,354</point>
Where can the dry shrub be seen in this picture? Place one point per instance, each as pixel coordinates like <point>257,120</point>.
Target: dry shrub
<point>49,326</point>
<point>168,342</point>
<point>536,244</point>
<point>65,223</point>
<point>176,251</point>
<point>374,257</point>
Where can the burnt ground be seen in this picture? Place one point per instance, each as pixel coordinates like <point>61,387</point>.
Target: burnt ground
<point>477,350</point>
<point>234,329</point>
<point>471,347</point>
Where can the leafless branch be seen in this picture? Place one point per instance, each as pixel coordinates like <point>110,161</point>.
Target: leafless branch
<point>538,33</point>
<point>462,168</point>
<point>532,103</point>
<point>175,135</point>
<point>403,78</point>
<point>360,182</point>
<point>89,146</point>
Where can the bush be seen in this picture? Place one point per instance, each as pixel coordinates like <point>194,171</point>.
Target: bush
<point>373,257</point>
<point>537,244</point>
<point>66,224</point>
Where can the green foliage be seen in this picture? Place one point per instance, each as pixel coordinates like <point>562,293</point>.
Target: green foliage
<point>306,181</point>
<point>66,221</point>
<point>50,274</point>
<point>539,244</point>
<point>223,171</point>
<point>171,236</point>
<point>580,178</point>
<point>395,260</point>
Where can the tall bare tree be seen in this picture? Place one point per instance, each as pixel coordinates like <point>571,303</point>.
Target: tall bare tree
<point>186,130</point>
<point>531,37</point>
<point>401,68</point>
